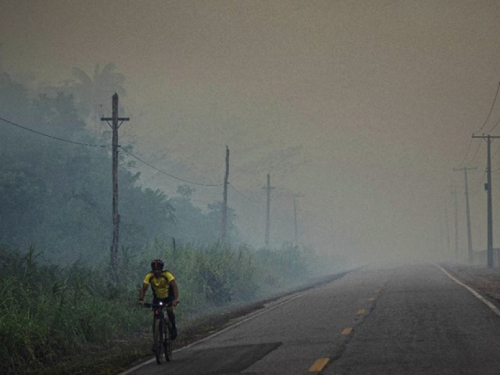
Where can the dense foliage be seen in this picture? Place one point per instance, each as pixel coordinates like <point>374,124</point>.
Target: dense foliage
<point>50,312</point>
<point>55,185</point>
<point>55,197</point>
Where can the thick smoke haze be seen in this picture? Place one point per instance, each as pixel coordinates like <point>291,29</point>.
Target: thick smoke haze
<point>361,108</point>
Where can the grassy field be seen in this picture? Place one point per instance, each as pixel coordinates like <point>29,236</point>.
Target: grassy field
<point>85,319</point>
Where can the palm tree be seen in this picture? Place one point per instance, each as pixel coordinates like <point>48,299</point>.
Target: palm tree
<point>93,95</point>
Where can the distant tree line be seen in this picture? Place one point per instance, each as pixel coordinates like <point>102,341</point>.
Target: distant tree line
<point>55,178</point>
<point>55,201</point>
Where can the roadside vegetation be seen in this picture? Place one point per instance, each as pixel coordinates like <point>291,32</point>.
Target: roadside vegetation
<point>62,309</point>
<point>56,318</point>
<point>55,183</point>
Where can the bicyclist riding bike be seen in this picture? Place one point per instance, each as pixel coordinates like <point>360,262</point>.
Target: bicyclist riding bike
<point>164,290</point>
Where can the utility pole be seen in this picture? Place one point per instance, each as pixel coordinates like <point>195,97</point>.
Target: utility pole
<point>296,229</point>
<point>454,192</point>
<point>448,246</point>
<point>441,238</point>
<point>487,186</point>
<point>467,212</point>
<point>224,203</point>
<point>268,209</point>
<point>116,217</point>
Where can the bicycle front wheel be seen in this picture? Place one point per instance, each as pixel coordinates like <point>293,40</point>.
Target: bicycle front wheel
<point>159,336</point>
<point>168,343</point>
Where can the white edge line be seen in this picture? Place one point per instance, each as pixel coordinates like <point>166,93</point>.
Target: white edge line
<point>265,310</point>
<point>476,294</point>
<point>130,370</point>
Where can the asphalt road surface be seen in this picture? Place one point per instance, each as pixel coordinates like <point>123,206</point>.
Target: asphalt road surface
<point>394,320</point>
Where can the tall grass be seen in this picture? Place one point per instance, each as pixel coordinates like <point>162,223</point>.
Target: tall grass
<point>48,312</point>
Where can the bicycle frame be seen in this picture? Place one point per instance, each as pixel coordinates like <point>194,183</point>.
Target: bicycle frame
<point>161,332</point>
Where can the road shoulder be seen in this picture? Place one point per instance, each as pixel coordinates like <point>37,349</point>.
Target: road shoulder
<point>484,280</point>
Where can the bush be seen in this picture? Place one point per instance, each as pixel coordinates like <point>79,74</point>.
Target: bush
<point>49,312</point>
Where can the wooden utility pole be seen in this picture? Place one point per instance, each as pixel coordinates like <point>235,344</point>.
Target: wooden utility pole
<point>467,213</point>
<point>116,217</point>
<point>454,192</point>
<point>223,234</point>
<point>295,224</point>
<point>447,222</point>
<point>489,199</point>
<point>268,210</point>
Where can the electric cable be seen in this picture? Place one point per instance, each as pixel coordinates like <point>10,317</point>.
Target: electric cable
<point>243,195</point>
<point>491,109</point>
<point>477,150</point>
<point>466,154</point>
<point>480,183</point>
<point>493,128</point>
<point>166,173</point>
<point>482,127</point>
<point>51,136</point>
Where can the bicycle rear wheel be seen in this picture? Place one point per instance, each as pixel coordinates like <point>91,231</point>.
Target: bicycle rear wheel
<point>158,340</point>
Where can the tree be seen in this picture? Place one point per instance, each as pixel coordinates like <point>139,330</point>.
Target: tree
<point>93,92</point>
<point>58,111</point>
<point>214,216</point>
<point>57,194</point>
<point>14,103</point>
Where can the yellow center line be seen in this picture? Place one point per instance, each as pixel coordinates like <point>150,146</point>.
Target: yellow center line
<point>361,311</point>
<point>371,299</point>
<point>347,331</point>
<point>319,365</point>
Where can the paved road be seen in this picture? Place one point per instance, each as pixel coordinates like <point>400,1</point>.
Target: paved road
<point>394,320</point>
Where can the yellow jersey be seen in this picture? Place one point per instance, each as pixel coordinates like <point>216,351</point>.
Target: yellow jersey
<point>160,285</point>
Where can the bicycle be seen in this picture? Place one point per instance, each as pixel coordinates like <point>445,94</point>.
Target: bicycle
<point>161,332</point>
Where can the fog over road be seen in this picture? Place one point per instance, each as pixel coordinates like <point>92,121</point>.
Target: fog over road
<point>394,320</point>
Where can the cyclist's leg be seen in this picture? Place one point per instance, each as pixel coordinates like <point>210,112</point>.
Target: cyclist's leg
<point>154,326</point>
<point>171,317</point>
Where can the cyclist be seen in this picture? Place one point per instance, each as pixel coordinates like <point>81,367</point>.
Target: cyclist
<point>164,290</point>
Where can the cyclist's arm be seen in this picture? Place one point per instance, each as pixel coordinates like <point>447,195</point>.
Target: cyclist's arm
<point>142,292</point>
<point>173,285</point>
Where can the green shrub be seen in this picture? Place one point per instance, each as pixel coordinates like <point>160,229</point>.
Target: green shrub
<point>49,311</point>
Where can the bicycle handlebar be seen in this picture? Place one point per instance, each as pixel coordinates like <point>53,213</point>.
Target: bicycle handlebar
<point>157,305</point>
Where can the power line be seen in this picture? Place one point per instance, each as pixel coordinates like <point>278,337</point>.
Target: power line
<point>165,173</point>
<point>491,109</point>
<point>494,154</point>
<point>477,150</point>
<point>50,136</point>
<point>482,127</point>
<point>243,195</point>
<point>480,184</point>
<point>94,145</point>
<point>128,153</point>
<point>467,153</point>
<point>493,128</point>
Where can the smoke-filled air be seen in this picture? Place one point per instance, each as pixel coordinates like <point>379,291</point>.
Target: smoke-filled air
<point>248,142</point>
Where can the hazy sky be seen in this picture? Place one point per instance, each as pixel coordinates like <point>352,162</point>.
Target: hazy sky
<point>362,107</point>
